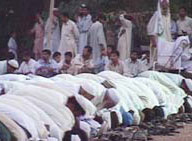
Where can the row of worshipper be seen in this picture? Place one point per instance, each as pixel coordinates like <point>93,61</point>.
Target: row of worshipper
<point>66,107</point>
<point>50,65</point>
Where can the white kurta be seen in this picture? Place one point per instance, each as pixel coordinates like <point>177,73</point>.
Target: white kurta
<point>124,42</point>
<point>84,23</point>
<point>29,67</point>
<point>12,45</point>
<point>96,39</point>
<point>185,26</point>
<point>69,38</point>
<point>55,34</point>
<point>159,26</point>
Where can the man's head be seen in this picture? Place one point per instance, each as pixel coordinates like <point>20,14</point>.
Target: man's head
<point>57,57</point>
<point>13,34</point>
<point>68,57</point>
<point>87,90</point>
<point>114,56</point>
<point>10,56</point>
<point>149,114</point>
<point>87,51</point>
<point>84,10</point>
<point>12,66</point>
<point>56,12</point>
<point>110,48</point>
<point>134,55</point>
<point>75,107</point>
<point>64,17</point>
<point>46,54</point>
<point>26,56</point>
<point>102,18</point>
<point>164,6</point>
<point>182,12</point>
<point>111,98</point>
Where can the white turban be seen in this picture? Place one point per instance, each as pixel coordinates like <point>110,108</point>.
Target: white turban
<point>189,84</point>
<point>13,63</point>
<point>87,106</point>
<point>89,88</point>
<point>113,94</point>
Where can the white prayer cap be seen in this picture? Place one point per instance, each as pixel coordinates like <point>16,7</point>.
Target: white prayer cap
<point>113,94</point>
<point>55,9</point>
<point>164,1</point>
<point>87,106</point>
<point>89,88</point>
<point>189,84</point>
<point>13,63</point>
<point>75,138</point>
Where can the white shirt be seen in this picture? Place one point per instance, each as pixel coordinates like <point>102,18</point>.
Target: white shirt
<point>27,67</point>
<point>185,26</point>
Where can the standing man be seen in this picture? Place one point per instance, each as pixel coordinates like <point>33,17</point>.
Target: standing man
<point>184,23</point>
<point>96,39</point>
<point>12,44</point>
<point>159,26</point>
<point>38,30</point>
<point>69,35</point>
<point>125,36</point>
<point>55,32</point>
<point>84,22</point>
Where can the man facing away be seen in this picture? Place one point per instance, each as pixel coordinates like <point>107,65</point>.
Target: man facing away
<point>84,22</point>
<point>55,32</point>
<point>69,35</point>
<point>96,38</point>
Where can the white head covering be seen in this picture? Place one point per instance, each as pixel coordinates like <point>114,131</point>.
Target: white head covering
<point>88,88</point>
<point>75,138</point>
<point>113,94</point>
<point>189,84</point>
<point>13,63</point>
<point>89,108</point>
<point>55,9</point>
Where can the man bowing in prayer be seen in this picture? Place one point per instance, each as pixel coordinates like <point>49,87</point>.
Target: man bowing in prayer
<point>159,27</point>
<point>8,66</point>
<point>69,35</point>
<point>55,32</point>
<point>96,39</point>
<point>84,23</point>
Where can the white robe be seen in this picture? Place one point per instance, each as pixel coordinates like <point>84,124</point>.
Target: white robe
<point>160,27</point>
<point>96,39</point>
<point>69,38</point>
<point>55,34</point>
<point>13,46</point>
<point>84,23</point>
<point>124,42</point>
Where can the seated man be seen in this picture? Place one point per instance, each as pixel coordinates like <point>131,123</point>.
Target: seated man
<point>57,58</point>
<point>46,66</point>
<point>68,67</point>
<point>133,64</point>
<point>8,66</point>
<point>116,65</point>
<point>28,64</point>
<point>84,62</point>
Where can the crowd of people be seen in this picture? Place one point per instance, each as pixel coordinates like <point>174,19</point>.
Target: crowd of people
<point>77,86</point>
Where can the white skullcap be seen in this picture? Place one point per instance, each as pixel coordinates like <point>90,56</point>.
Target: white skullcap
<point>189,84</point>
<point>87,106</point>
<point>13,63</point>
<point>55,9</point>
<point>89,88</point>
<point>75,138</point>
<point>164,0</point>
<point>113,94</point>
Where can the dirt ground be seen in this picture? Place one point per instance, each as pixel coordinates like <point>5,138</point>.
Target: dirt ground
<point>184,135</point>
